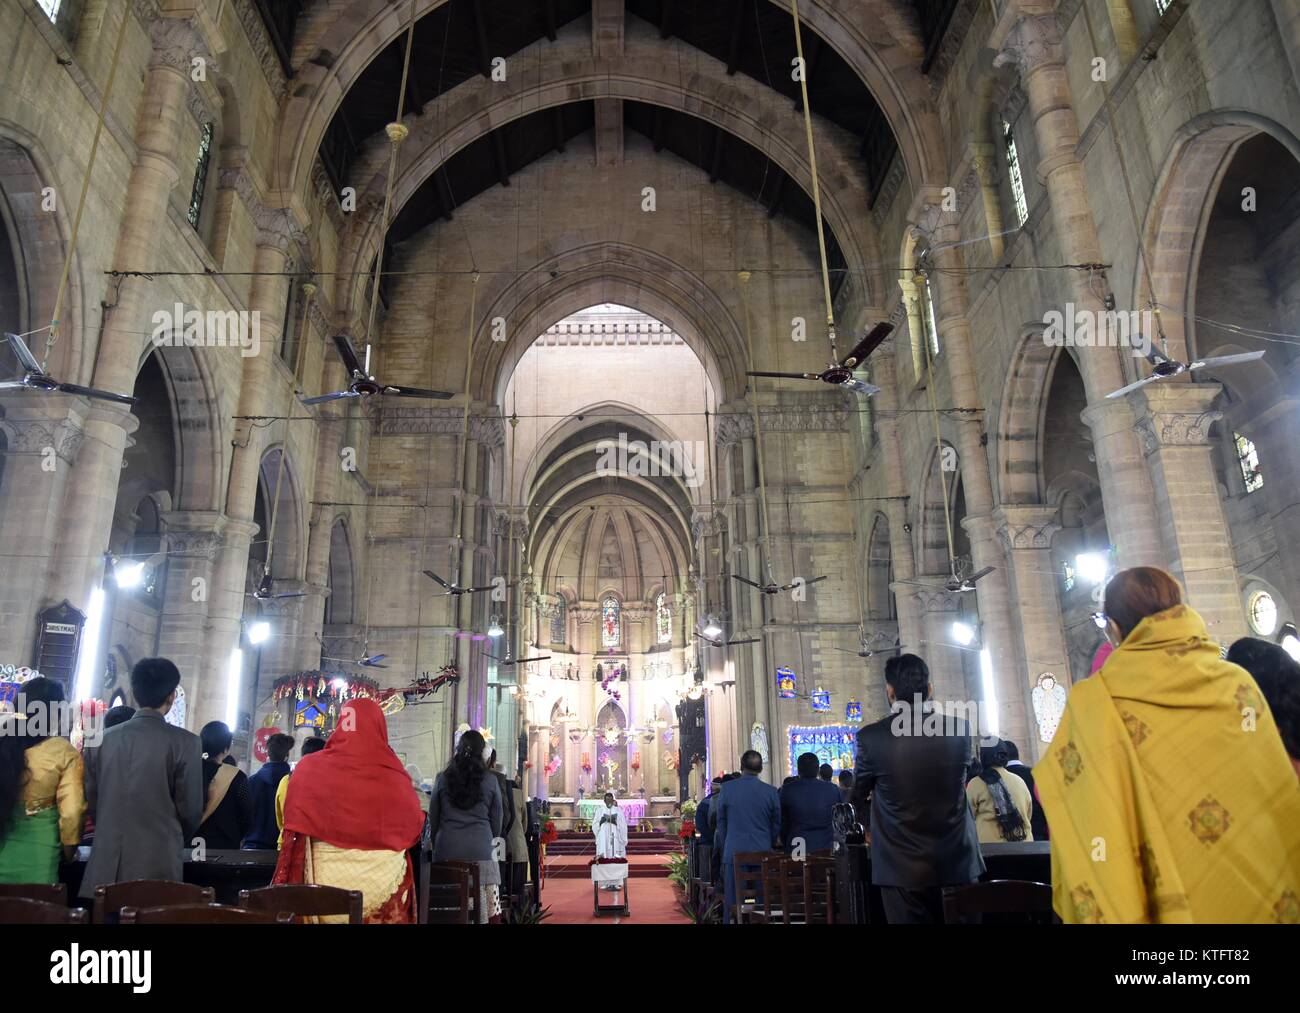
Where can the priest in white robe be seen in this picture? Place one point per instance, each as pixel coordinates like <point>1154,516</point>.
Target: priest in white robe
<point>610,827</point>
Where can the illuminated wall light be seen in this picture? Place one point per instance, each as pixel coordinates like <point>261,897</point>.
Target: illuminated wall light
<point>89,656</point>
<point>129,576</point>
<point>963,633</point>
<point>258,633</point>
<point>711,628</point>
<point>1091,566</point>
<point>234,676</point>
<point>990,714</point>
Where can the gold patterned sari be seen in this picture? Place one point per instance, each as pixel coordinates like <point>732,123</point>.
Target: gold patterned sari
<point>1169,794</point>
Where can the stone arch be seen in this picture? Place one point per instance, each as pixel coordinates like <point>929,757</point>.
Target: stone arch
<point>36,243</point>
<point>931,534</point>
<point>879,570</point>
<point>1179,211</point>
<point>340,605</point>
<point>1018,472</point>
<point>195,412</point>
<point>279,485</point>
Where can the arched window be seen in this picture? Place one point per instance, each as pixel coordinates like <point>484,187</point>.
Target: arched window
<point>559,622</point>
<point>663,620</point>
<point>204,159</point>
<point>1248,459</point>
<point>1013,170</point>
<point>51,8</point>
<point>611,623</point>
<point>925,293</point>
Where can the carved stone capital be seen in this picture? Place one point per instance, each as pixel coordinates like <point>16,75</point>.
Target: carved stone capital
<point>734,427</point>
<point>490,431</point>
<point>705,524</point>
<point>1030,526</point>
<point>1035,40</point>
<point>930,599</point>
<point>176,44</point>
<point>40,436</point>
<point>1177,415</point>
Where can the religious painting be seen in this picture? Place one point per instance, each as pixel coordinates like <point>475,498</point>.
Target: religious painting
<point>309,713</point>
<point>1048,698</point>
<point>663,620</point>
<point>785,683</point>
<point>611,627</point>
<point>853,712</point>
<point>821,699</point>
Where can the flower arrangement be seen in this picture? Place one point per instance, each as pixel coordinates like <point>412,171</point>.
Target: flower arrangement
<point>688,809</point>
<point>549,833</point>
<point>586,763</point>
<point>687,830</point>
<point>636,760</point>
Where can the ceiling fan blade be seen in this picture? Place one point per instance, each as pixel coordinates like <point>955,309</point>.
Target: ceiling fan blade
<point>23,353</point>
<point>980,574</point>
<point>15,385</point>
<point>98,395</point>
<point>526,661</point>
<point>1135,386</point>
<point>746,580</point>
<point>438,580</point>
<point>348,354</point>
<point>845,650</point>
<point>787,376</point>
<point>328,397</point>
<point>1226,360</point>
<point>860,387</point>
<point>290,594</point>
<point>433,395</point>
<point>815,580</point>
<point>867,345</point>
<point>708,640</point>
<point>747,640</point>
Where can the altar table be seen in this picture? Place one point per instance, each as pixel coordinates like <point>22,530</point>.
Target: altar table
<point>633,809</point>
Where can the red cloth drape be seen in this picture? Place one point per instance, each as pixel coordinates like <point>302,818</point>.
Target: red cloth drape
<point>355,793</point>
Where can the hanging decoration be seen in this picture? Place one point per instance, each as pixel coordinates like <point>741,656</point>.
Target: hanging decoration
<point>786,684</point>
<point>316,685</point>
<point>821,700</point>
<point>636,760</point>
<point>393,700</point>
<point>853,711</point>
<point>586,763</point>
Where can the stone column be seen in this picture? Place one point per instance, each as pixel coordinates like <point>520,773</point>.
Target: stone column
<point>938,609</point>
<point>1029,36</point>
<point>1276,434</point>
<point>1174,427</point>
<point>957,359</point>
<point>39,461</point>
<point>311,625</point>
<point>88,516</point>
<point>1026,532</point>
<point>193,540</point>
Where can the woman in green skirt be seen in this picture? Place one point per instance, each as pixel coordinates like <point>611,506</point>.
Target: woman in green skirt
<point>42,799</point>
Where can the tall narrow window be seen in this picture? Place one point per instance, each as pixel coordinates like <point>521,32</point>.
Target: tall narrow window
<point>663,620</point>
<point>200,174</point>
<point>611,623</point>
<point>1162,6</point>
<point>1249,461</point>
<point>558,622</point>
<point>289,333</point>
<point>51,8</point>
<point>927,315</point>
<point>1017,181</point>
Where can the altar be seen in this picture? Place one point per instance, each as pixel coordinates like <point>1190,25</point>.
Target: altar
<point>633,809</point>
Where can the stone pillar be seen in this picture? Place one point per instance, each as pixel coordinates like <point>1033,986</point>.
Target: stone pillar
<point>225,613</point>
<point>957,358</point>
<point>1276,434</point>
<point>1026,532</point>
<point>88,516</point>
<point>193,541</point>
<point>1174,425</point>
<point>311,623</point>
<point>756,554</point>
<point>884,375</point>
<point>39,461</point>
<point>1029,36</point>
<point>938,609</point>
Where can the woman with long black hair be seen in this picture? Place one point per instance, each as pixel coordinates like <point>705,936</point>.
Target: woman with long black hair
<point>999,799</point>
<point>42,797</point>
<point>465,817</point>
<point>228,807</point>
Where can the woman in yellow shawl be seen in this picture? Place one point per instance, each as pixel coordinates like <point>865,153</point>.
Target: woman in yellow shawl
<point>1167,787</point>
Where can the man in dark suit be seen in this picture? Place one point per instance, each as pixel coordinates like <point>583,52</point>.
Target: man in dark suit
<point>913,764</point>
<point>748,819</point>
<point>144,787</point>
<point>1038,820</point>
<point>806,804</point>
<point>826,773</point>
<point>508,817</point>
<point>704,813</point>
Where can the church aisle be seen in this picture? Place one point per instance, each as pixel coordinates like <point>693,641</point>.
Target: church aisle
<point>653,901</point>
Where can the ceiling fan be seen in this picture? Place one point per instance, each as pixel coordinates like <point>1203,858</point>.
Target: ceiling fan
<point>361,385</point>
<point>365,661</point>
<point>508,663</point>
<point>774,588</point>
<point>265,593</point>
<point>456,589</point>
<point>955,582</point>
<point>1163,367</point>
<point>35,378</point>
<point>869,648</point>
<point>841,373</point>
<point>727,643</point>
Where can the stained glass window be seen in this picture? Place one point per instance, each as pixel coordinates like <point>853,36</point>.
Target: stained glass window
<point>663,620</point>
<point>1068,575</point>
<point>1248,458</point>
<point>611,625</point>
<point>559,622</point>
<point>927,308</point>
<point>1017,181</point>
<point>200,174</point>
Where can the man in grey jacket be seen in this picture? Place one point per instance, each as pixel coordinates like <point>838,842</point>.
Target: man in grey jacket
<point>144,787</point>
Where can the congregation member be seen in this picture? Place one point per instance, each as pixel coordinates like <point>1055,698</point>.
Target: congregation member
<point>517,848</point>
<point>846,785</point>
<point>1278,676</point>
<point>507,817</point>
<point>350,814</point>
<point>42,798</point>
<point>748,819</point>
<point>1199,809</point>
<point>227,811</point>
<point>144,787</point>
<point>922,832</point>
<point>806,807</point>
<point>999,800</point>
<point>466,813</point>
<point>264,790</point>
<point>704,812</point>
<point>826,773</point>
<point>309,746</point>
<point>1037,820</point>
<point>113,717</point>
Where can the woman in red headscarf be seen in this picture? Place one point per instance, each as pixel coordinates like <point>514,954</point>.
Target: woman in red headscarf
<point>350,814</point>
